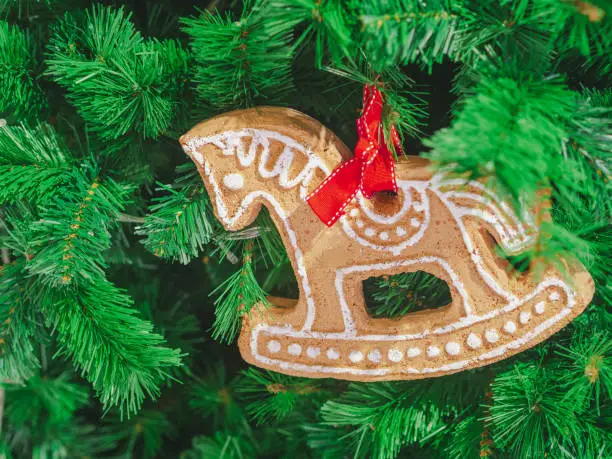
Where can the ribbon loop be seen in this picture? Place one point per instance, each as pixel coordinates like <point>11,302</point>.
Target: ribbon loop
<point>371,170</point>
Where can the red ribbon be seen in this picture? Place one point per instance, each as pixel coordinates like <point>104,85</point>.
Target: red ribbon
<point>371,169</point>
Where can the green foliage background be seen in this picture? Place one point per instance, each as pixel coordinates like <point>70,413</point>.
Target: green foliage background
<point>121,296</point>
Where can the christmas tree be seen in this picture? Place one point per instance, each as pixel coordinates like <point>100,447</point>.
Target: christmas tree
<point>121,295</point>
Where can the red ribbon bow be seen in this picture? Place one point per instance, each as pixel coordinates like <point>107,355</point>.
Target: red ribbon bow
<point>369,171</point>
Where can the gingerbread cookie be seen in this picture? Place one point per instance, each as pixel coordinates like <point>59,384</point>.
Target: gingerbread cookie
<point>439,224</point>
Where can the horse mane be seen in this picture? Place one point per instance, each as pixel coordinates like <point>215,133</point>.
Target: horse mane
<point>249,135</point>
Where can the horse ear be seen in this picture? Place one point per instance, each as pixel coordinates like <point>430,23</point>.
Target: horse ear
<point>302,128</point>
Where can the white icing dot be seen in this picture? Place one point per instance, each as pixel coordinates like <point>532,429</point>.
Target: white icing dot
<point>400,231</point>
<point>294,349</point>
<point>332,354</point>
<point>418,206</point>
<point>554,296</point>
<point>370,232</point>
<point>509,327</point>
<point>359,223</point>
<point>452,348</point>
<point>374,356</point>
<point>356,356</point>
<point>433,351</point>
<point>474,341</point>
<point>539,307</point>
<point>395,355</point>
<point>354,212</point>
<point>233,181</point>
<point>274,346</point>
<point>413,352</point>
<point>524,317</point>
<point>384,236</point>
<point>313,352</point>
<point>491,335</point>
<point>415,222</point>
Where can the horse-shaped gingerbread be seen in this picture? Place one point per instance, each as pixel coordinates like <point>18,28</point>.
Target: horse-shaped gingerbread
<point>445,226</point>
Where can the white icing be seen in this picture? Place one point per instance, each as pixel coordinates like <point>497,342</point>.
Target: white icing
<point>510,327</point>
<point>554,296</point>
<point>524,317</point>
<point>474,341</point>
<point>325,369</point>
<point>415,222</point>
<point>370,232</point>
<point>384,219</point>
<point>433,351</point>
<point>340,273</point>
<point>375,356</point>
<point>540,307</point>
<point>359,223</point>
<point>413,352</point>
<point>396,249</point>
<point>294,349</point>
<point>509,228</point>
<point>230,221</point>
<point>491,335</point>
<point>232,144</point>
<point>274,346</point>
<point>452,348</point>
<point>529,336</point>
<point>233,181</point>
<point>459,212</point>
<point>332,354</point>
<point>354,212</point>
<point>395,355</point>
<point>384,236</point>
<point>313,352</point>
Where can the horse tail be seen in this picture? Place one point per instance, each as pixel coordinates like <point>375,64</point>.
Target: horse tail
<point>473,199</point>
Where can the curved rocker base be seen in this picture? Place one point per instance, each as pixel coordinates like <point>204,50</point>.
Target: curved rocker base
<point>470,342</point>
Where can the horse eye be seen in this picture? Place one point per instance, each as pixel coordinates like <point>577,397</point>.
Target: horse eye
<point>233,181</point>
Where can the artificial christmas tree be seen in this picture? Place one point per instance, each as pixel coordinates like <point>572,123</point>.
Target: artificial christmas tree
<point>121,294</point>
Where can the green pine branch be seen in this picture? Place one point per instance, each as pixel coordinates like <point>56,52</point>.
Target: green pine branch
<point>74,230</point>
<point>396,296</point>
<point>99,330</point>
<point>43,399</point>
<point>178,224</point>
<point>380,419</point>
<point>587,373</point>
<point>18,355</point>
<point>120,82</point>
<point>33,163</point>
<point>400,32</point>
<point>20,98</point>
<point>403,106</point>
<point>532,417</point>
<point>582,25</point>
<point>326,24</point>
<point>511,33</point>
<point>238,62</point>
<point>227,446</point>
<point>272,397</point>
<point>214,396</point>
<point>142,435</point>
<point>238,295</point>
<point>42,418</point>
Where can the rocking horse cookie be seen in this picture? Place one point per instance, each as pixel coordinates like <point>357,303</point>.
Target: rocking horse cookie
<point>276,157</point>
